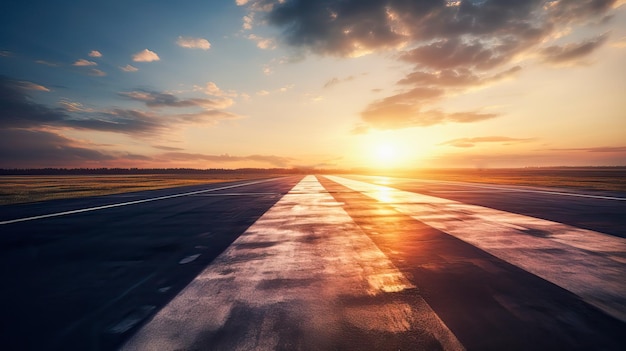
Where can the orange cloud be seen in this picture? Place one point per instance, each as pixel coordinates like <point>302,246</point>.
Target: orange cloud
<point>470,142</point>
<point>146,56</point>
<point>30,86</point>
<point>559,54</point>
<point>193,43</point>
<point>129,68</point>
<point>83,62</point>
<point>96,73</point>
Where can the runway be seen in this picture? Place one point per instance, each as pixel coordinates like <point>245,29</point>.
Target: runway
<point>317,263</point>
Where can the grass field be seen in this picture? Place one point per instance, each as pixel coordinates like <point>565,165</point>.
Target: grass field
<point>602,179</point>
<point>30,188</point>
<point>20,189</point>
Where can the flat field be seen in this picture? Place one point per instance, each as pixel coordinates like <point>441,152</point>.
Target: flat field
<point>31,188</point>
<point>590,178</point>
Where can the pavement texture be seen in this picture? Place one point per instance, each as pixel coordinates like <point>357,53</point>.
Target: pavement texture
<point>317,263</point>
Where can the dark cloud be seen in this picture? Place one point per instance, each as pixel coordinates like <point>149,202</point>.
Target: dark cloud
<point>346,27</point>
<point>470,142</point>
<point>157,99</point>
<point>572,52</point>
<point>452,45</point>
<point>117,121</point>
<point>20,111</point>
<point>21,148</point>
<point>334,27</point>
<point>456,53</point>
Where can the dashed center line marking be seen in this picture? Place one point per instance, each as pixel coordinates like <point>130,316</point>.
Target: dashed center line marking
<point>590,264</point>
<point>304,269</point>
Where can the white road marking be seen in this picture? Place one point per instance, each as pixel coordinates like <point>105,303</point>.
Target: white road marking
<point>130,202</point>
<point>303,269</point>
<point>527,190</point>
<point>188,259</point>
<point>590,264</point>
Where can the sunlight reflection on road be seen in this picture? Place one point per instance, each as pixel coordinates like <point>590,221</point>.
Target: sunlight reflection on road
<point>587,263</point>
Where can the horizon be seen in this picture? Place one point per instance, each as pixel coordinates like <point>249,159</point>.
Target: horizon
<point>269,84</point>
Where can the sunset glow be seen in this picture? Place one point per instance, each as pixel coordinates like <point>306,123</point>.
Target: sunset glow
<point>332,84</point>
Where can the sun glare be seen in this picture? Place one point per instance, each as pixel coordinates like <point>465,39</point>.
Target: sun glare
<point>385,154</point>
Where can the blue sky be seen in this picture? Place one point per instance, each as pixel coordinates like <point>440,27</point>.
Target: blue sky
<point>268,83</point>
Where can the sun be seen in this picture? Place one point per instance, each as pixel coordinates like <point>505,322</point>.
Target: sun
<point>385,154</point>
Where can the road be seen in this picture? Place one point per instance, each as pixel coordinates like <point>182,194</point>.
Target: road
<point>317,263</point>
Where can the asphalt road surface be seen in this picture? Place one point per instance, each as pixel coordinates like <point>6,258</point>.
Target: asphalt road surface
<point>317,263</point>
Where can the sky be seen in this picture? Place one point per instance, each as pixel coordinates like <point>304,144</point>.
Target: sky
<point>324,84</point>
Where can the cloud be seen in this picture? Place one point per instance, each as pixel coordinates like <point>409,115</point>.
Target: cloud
<point>146,56</point>
<point>360,128</point>
<point>619,43</point>
<point>334,81</point>
<point>156,99</point>
<point>452,45</point>
<point>193,43</point>
<point>95,53</point>
<point>167,148</point>
<point>247,21</point>
<point>276,161</point>
<point>21,148</point>
<point>398,116</point>
<point>83,62</point>
<point>212,89</point>
<point>456,78</point>
<point>72,106</point>
<point>96,73</point>
<point>568,53</point>
<point>19,111</point>
<point>263,43</point>
<point>285,88</point>
<point>27,148</point>
<point>5,53</point>
<point>456,53</point>
<point>46,63</point>
<point>129,68</point>
<point>471,142</point>
<point>603,149</point>
<point>30,86</point>
<point>262,93</point>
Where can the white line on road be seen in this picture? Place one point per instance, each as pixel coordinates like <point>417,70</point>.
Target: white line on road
<point>522,190</point>
<point>592,265</point>
<point>130,202</point>
<point>303,276</point>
